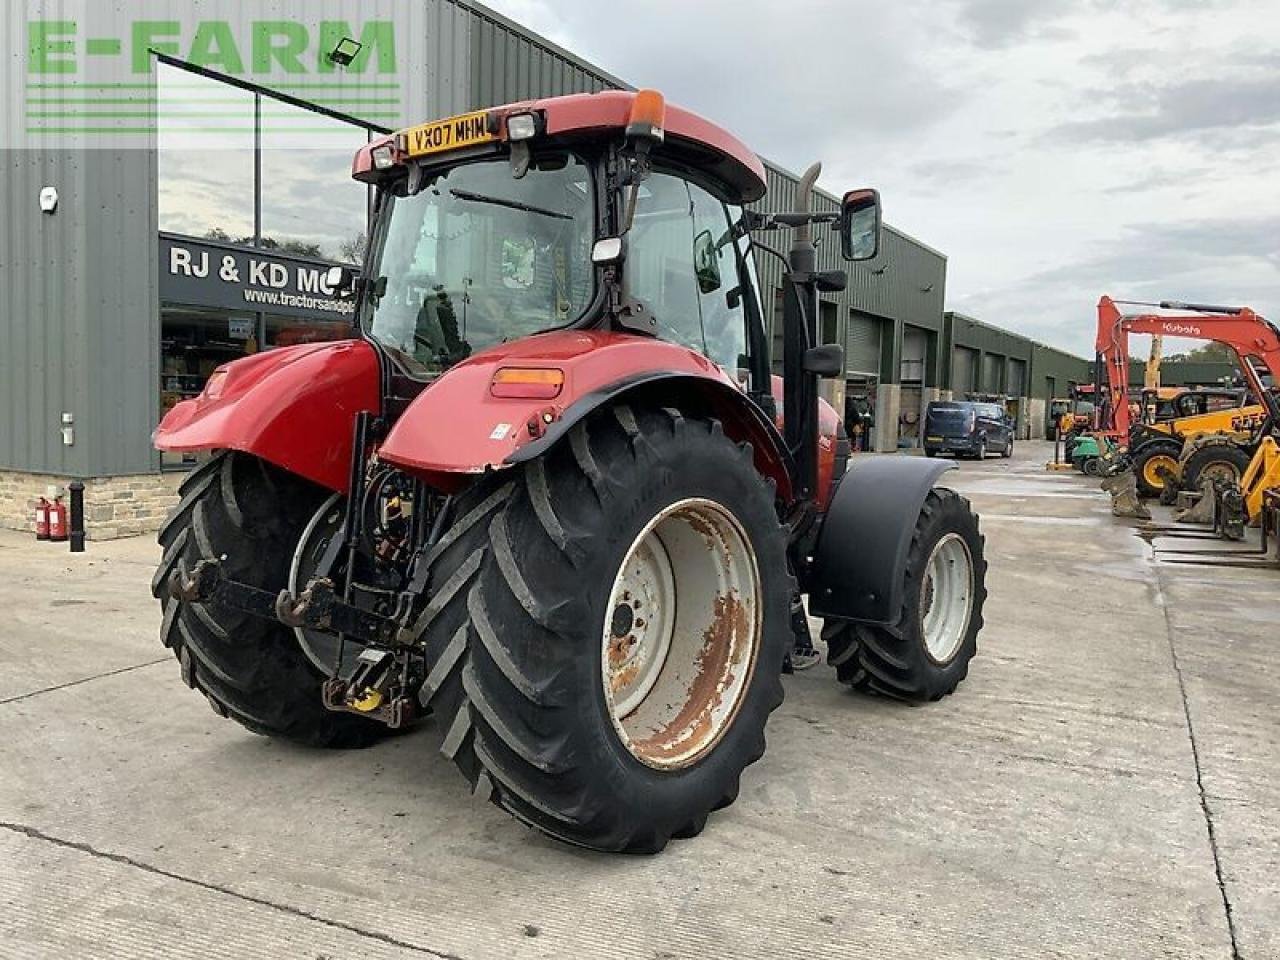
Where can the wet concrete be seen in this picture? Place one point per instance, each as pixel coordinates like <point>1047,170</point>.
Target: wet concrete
<point>1103,784</point>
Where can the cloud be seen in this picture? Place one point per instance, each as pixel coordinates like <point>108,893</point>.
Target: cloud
<point>992,24</point>
<point>1194,107</point>
<point>1213,260</point>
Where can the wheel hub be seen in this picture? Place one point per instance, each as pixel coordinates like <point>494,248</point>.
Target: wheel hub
<point>946,598</point>
<point>681,633</point>
<point>321,648</point>
<point>1151,469</point>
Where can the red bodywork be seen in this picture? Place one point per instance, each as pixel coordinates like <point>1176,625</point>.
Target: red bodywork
<point>295,407</point>
<point>292,406</point>
<point>1246,333</point>
<point>720,153</point>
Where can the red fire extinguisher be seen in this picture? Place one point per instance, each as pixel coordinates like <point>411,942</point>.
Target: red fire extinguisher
<point>42,519</point>
<point>58,521</point>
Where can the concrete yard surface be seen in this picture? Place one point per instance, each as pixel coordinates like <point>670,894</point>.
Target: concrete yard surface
<point>1103,784</point>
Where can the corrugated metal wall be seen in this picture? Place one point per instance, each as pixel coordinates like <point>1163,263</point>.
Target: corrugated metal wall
<point>78,311</point>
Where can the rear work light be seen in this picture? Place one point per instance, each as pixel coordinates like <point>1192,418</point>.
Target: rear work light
<point>384,157</point>
<point>527,383</point>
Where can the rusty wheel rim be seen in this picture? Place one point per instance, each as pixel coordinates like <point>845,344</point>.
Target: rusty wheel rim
<point>1220,470</point>
<point>681,633</point>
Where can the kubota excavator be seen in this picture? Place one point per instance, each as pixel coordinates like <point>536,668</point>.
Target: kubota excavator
<point>1228,440</point>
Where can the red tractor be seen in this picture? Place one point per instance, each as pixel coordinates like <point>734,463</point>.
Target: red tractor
<point>544,497</point>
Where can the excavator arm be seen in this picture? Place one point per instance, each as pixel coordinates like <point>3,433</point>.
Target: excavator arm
<point>1249,336</point>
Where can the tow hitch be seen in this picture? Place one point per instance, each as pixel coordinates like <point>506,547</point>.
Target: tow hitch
<point>379,686</point>
<point>317,607</point>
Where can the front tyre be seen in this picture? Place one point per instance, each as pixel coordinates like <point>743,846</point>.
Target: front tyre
<point>607,627</point>
<point>1149,462</point>
<point>925,653</point>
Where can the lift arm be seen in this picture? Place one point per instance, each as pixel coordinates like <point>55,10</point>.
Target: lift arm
<point>1248,335</point>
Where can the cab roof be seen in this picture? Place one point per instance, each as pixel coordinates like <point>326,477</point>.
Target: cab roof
<point>689,138</point>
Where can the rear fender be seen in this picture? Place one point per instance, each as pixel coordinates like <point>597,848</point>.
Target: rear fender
<point>457,428</point>
<point>861,554</point>
<point>293,406</point>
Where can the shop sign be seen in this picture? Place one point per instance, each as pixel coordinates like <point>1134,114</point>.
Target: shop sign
<point>206,274</point>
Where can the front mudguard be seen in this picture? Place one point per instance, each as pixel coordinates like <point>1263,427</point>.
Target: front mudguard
<point>861,553</point>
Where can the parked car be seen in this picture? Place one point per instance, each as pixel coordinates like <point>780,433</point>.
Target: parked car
<point>967,428</point>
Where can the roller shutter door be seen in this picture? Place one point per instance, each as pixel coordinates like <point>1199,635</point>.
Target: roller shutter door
<point>992,364</point>
<point>862,351</point>
<point>1017,378</point>
<point>964,373</point>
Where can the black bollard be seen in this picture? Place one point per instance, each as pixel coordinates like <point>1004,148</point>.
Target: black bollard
<point>77,516</point>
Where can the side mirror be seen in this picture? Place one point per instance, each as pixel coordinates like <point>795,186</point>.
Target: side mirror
<point>341,280</point>
<point>825,361</point>
<point>860,224</point>
<point>706,266</point>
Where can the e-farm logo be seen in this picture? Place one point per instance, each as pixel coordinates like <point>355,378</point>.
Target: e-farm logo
<point>68,62</point>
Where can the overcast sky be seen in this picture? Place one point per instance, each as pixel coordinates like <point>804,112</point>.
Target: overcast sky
<point>1055,150</point>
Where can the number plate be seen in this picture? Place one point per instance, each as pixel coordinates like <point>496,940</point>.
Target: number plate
<point>452,134</point>
<point>934,439</point>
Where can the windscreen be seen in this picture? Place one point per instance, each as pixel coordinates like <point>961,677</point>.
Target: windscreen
<point>478,257</point>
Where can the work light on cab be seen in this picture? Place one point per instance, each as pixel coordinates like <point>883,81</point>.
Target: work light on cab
<point>384,156</point>
<point>522,126</point>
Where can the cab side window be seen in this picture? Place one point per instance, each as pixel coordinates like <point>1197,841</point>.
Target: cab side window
<point>682,266</point>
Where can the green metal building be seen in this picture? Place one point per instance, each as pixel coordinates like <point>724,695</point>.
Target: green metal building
<point>981,358</point>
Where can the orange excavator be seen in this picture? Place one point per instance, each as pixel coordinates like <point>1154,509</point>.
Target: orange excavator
<point>1245,449</point>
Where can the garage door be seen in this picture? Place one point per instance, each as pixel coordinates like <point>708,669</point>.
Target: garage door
<point>862,351</point>
<point>992,365</point>
<point>1017,378</point>
<point>964,371</point>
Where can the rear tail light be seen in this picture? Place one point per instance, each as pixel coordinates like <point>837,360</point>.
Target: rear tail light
<point>527,383</point>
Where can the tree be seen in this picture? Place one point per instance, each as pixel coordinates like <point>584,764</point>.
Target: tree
<point>352,249</point>
<point>1207,353</point>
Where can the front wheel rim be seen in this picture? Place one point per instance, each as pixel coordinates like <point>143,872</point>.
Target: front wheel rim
<point>946,598</point>
<point>681,634</point>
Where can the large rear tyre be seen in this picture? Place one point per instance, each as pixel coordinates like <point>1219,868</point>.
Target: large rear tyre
<point>250,514</point>
<point>607,628</point>
<point>925,653</point>
<point>1147,462</point>
<point>1214,458</point>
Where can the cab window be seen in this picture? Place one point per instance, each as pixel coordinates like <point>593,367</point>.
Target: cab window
<point>682,265</point>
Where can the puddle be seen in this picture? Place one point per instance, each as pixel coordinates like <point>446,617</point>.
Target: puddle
<point>1045,521</point>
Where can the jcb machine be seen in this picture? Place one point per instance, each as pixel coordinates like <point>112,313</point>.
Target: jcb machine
<point>1173,425</point>
<point>1213,446</point>
<point>543,496</point>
